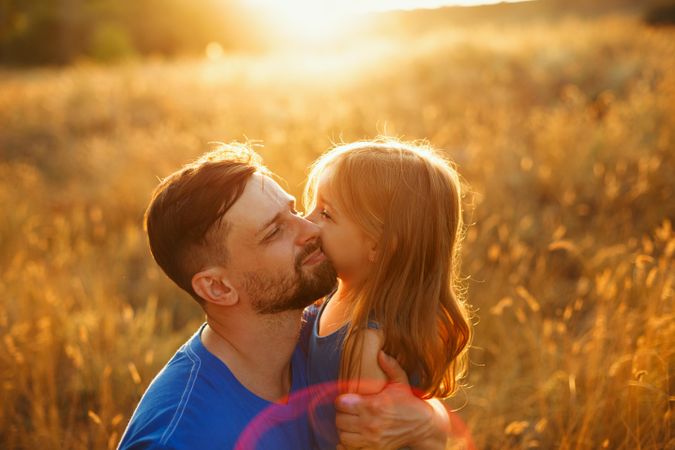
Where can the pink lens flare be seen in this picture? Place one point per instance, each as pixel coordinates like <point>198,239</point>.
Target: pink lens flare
<point>305,402</point>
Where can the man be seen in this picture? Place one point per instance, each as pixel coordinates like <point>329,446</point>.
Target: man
<point>225,232</point>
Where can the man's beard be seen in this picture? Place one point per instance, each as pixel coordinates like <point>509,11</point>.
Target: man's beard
<point>271,295</point>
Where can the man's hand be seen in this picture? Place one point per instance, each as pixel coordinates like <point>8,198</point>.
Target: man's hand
<point>392,418</point>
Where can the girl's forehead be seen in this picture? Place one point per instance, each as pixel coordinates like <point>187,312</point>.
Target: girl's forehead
<point>325,180</point>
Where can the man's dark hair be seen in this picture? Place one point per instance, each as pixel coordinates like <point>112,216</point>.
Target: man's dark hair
<point>188,206</point>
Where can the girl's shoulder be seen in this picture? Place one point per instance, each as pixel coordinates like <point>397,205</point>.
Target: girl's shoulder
<point>310,312</point>
<point>309,315</point>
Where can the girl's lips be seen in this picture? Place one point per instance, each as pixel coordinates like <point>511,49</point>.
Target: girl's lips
<point>315,257</point>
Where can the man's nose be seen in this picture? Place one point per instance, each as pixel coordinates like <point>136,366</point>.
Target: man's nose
<point>308,231</point>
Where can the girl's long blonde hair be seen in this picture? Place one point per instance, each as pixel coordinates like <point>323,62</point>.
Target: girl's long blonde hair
<point>407,198</point>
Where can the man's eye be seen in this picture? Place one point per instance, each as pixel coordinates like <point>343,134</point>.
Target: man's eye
<point>295,212</point>
<point>273,233</point>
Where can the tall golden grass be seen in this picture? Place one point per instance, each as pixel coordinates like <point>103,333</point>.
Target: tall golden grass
<point>564,131</point>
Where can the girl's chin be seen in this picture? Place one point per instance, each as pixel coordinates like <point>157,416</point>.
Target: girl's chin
<point>351,280</point>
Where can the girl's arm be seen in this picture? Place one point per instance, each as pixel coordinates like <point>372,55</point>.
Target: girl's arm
<point>372,378</point>
<point>392,418</point>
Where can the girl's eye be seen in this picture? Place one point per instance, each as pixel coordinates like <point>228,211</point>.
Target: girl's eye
<point>324,214</point>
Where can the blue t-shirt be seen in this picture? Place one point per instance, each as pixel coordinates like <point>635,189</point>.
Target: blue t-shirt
<point>195,402</point>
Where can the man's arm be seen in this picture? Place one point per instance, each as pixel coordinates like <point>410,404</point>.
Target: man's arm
<point>393,418</point>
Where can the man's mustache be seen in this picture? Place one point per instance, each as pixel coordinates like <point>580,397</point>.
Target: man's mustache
<point>308,250</point>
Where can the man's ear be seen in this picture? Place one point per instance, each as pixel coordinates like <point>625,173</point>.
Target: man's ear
<point>213,286</point>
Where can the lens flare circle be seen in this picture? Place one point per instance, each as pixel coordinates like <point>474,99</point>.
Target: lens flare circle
<point>304,402</point>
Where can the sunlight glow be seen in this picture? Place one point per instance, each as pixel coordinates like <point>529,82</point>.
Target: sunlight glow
<point>387,5</point>
<point>321,21</point>
<point>306,20</point>
<point>214,51</point>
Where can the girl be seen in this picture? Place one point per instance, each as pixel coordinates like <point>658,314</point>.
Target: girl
<point>390,218</point>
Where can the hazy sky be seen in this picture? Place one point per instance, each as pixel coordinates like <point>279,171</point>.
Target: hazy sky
<point>324,19</point>
<point>412,4</point>
<point>367,5</point>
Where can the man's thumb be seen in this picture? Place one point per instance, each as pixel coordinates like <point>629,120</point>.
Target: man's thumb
<point>391,368</point>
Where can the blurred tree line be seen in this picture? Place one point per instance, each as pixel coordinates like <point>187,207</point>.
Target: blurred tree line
<point>60,31</point>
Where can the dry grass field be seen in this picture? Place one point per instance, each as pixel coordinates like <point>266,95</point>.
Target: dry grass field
<point>563,132</point>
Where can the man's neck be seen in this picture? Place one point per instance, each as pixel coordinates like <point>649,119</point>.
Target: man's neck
<point>257,349</point>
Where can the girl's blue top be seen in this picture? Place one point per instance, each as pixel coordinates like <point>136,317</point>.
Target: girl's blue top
<point>323,368</point>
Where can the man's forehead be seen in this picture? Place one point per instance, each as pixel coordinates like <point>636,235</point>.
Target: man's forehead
<point>261,200</point>
<point>268,188</point>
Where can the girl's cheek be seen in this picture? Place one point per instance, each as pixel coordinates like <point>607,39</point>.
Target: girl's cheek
<point>323,234</point>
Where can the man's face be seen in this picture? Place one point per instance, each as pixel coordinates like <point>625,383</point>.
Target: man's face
<point>275,255</point>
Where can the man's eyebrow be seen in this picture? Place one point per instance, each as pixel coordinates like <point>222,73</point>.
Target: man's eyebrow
<point>277,216</point>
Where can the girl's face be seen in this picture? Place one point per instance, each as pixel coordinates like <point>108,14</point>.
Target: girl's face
<point>347,247</point>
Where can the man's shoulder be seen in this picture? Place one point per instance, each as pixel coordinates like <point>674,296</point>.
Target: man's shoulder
<point>175,409</point>
<point>160,407</point>
<point>196,402</point>
<point>178,376</point>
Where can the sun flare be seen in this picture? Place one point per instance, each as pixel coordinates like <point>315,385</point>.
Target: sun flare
<point>308,21</point>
